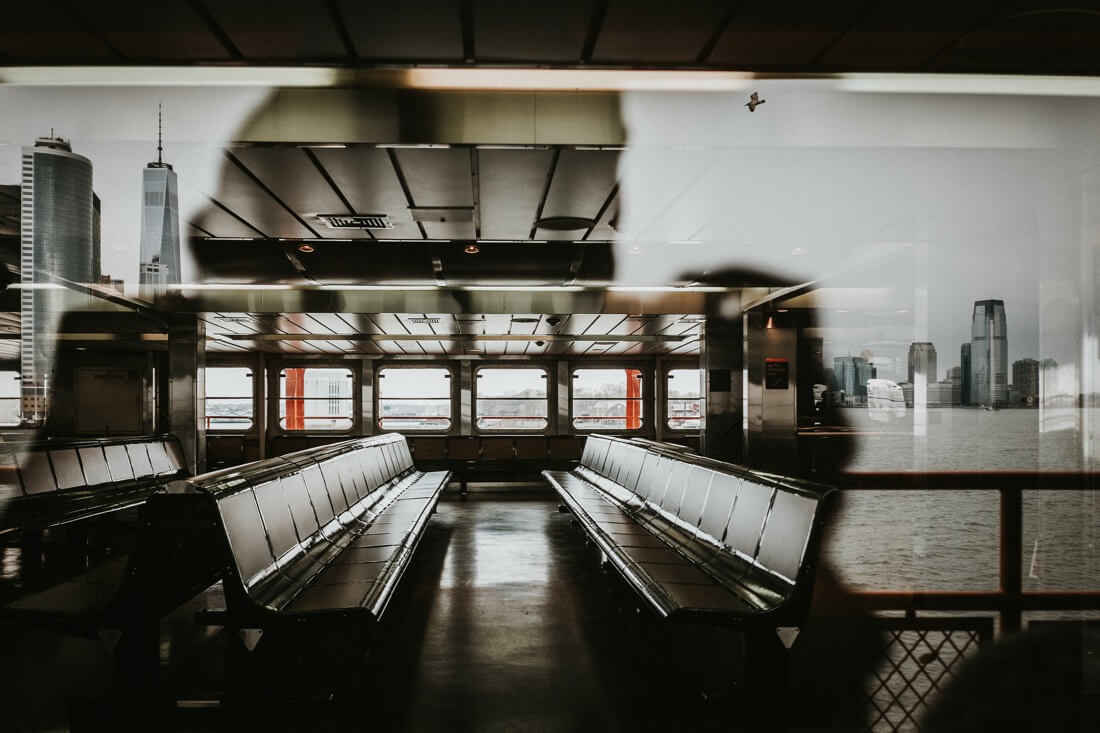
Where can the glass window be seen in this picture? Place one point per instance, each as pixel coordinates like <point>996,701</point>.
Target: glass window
<point>685,399</point>
<point>10,399</point>
<point>511,399</point>
<point>228,398</point>
<point>414,398</point>
<point>607,399</point>
<point>315,398</point>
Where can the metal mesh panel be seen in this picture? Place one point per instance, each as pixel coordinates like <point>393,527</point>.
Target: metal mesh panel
<point>922,657</point>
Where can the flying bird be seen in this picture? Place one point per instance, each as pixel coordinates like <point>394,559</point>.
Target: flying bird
<point>754,102</point>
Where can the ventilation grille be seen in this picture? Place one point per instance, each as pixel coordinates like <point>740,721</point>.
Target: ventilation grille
<point>356,221</point>
<point>423,320</point>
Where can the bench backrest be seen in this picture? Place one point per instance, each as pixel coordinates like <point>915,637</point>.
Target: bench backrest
<point>769,523</point>
<point>274,511</point>
<point>30,470</point>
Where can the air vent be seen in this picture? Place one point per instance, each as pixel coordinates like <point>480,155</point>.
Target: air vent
<point>356,221</point>
<point>234,319</point>
<point>525,320</point>
<point>423,320</point>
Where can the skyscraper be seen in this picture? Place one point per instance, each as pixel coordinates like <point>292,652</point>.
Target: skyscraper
<point>160,226</point>
<point>922,360</point>
<point>988,353</point>
<point>1025,378</point>
<point>964,364</point>
<point>851,374</point>
<point>56,232</point>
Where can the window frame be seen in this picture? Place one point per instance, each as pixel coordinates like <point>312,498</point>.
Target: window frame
<point>665,413</point>
<point>277,369</point>
<point>645,374</point>
<point>18,398</point>
<point>452,378</point>
<point>550,398</point>
<point>256,397</point>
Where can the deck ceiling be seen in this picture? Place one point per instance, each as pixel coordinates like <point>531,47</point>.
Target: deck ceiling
<point>271,200</point>
<point>801,35</point>
<point>428,334</point>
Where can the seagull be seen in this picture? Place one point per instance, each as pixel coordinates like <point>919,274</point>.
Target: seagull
<point>754,102</point>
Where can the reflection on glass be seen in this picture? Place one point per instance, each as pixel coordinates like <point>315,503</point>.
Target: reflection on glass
<point>511,399</point>
<point>228,398</point>
<point>607,399</point>
<point>312,398</point>
<point>414,398</point>
<point>10,412</point>
<point>685,399</point>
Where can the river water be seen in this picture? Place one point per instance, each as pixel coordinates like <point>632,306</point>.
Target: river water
<point>948,540</point>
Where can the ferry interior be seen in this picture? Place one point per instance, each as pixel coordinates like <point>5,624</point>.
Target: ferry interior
<point>586,366</point>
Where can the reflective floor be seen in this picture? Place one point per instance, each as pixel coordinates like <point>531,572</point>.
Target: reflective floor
<point>505,621</point>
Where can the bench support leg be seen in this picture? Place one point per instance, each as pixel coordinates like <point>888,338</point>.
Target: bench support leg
<point>137,657</point>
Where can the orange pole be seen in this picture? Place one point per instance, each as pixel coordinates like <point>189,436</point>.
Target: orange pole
<point>633,404</point>
<point>295,406</point>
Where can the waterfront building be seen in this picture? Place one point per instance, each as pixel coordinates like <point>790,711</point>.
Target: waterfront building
<point>57,226</point>
<point>922,360</point>
<point>964,368</point>
<point>851,374</point>
<point>1025,378</point>
<point>160,227</point>
<point>988,353</point>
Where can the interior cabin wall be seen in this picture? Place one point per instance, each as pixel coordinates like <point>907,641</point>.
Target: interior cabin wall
<point>463,441</point>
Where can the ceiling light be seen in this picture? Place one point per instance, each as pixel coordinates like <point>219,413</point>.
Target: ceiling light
<point>635,249</point>
<point>307,248</point>
<point>472,249</point>
<point>797,251</point>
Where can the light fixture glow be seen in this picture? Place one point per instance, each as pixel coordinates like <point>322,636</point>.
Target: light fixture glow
<point>472,249</point>
<point>307,248</point>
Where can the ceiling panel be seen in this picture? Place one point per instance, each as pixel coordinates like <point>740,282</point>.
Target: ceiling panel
<point>293,177</point>
<point>220,223</point>
<point>240,194</point>
<point>785,33</point>
<point>164,30</point>
<point>367,180</point>
<point>280,29</point>
<point>630,28</point>
<point>424,30</point>
<point>511,184</point>
<point>889,36</point>
<point>25,37</point>
<point>505,30</point>
<point>582,181</point>
<point>437,176</point>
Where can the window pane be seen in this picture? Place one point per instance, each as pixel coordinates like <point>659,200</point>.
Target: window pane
<point>511,399</point>
<point>414,399</point>
<point>685,400</point>
<point>607,399</point>
<point>228,398</point>
<point>10,407</point>
<point>315,398</point>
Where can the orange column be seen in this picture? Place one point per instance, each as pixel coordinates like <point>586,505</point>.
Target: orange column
<point>633,404</point>
<point>295,406</point>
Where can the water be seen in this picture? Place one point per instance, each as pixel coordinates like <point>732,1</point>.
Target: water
<point>925,540</point>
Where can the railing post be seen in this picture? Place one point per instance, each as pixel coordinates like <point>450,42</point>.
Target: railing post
<point>1012,540</point>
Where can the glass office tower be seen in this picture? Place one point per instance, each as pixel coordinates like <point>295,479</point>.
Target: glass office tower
<point>988,354</point>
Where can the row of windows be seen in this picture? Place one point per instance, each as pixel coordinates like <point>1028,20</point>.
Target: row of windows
<point>420,399</point>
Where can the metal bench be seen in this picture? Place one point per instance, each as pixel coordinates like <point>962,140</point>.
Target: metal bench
<point>50,484</point>
<point>315,535</point>
<point>702,540</point>
<point>320,533</point>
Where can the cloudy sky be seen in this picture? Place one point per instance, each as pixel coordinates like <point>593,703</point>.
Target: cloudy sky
<point>936,200</point>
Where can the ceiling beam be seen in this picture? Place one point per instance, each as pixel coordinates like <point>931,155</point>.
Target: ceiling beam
<point>633,337</point>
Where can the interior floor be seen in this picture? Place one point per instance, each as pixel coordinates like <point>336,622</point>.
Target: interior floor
<point>505,621</point>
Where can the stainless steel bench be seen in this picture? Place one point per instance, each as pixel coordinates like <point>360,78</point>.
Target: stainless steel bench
<point>701,540</point>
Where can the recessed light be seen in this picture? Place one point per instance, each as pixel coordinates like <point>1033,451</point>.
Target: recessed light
<point>472,249</point>
<point>307,248</point>
<point>782,310</point>
<point>797,251</point>
<point>635,250</point>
